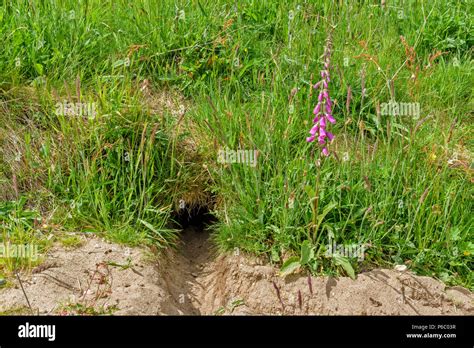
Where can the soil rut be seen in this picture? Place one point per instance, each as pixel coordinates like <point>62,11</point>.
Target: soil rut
<point>188,267</point>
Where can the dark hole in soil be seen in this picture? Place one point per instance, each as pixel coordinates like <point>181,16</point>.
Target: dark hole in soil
<point>198,217</point>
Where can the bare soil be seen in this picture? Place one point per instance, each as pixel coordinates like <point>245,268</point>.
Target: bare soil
<point>100,277</point>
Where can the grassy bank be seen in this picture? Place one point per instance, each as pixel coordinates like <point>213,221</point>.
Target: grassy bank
<point>164,86</point>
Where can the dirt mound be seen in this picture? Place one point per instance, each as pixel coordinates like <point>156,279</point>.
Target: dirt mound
<point>104,278</point>
<point>378,292</point>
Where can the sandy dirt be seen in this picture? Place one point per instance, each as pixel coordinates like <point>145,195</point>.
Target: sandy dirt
<point>100,277</point>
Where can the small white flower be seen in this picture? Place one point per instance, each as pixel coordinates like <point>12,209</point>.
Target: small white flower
<point>400,268</point>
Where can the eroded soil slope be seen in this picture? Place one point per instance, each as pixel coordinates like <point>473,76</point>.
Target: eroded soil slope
<point>100,277</point>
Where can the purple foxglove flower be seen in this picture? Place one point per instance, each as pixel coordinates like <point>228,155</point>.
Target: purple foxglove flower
<point>314,130</point>
<point>322,123</point>
<point>322,136</point>
<point>330,118</point>
<point>317,109</point>
<point>318,129</point>
<point>328,108</point>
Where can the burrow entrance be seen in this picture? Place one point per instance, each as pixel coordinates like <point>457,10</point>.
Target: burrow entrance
<point>199,217</point>
<point>196,225</point>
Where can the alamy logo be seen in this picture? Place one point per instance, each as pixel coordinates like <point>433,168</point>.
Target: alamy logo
<point>349,251</point>
<point>393,108</point>
<point>248,157</point>
<point>37,331</point>
<point>27,251</point>
<point>76,109</point>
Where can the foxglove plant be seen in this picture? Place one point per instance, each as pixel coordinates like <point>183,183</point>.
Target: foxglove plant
<point>323,110</point>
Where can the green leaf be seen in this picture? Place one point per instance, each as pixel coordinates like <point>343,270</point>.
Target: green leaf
<point>289,266</point>
<point>275,255</point>
<point>310,191</point>
<point>444,276</point>
<point>153,229</point>
<point>470,248</point>
<point>307,252</point>
<point>220,311</point>
<point>344,263</point>
<point>326,211</point>
<point>455,234</point>
<point>314,265</point>
<point>455,263</point>
<point>39,68</point>
<point>236,304</point>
